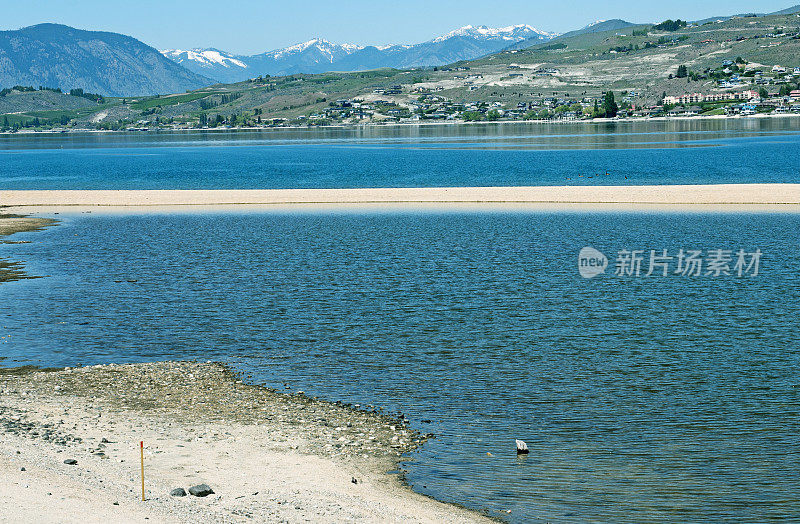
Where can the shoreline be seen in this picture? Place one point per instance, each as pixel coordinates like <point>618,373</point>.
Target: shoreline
<point>766,197</point>
<point>12,223</point>
<point>267,455</point>
<point>734,118</point>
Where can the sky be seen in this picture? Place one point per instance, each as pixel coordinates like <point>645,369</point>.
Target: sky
<point>253,26</point>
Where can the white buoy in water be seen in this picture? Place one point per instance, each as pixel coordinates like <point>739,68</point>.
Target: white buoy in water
<point>522,448</point>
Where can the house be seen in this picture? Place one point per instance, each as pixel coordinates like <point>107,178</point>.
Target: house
<point>795,94</point>
<point>746,95</point>
<point>748,109</point>
<point>692,111</point>
<point>693,98</point>
<point>778,69</point>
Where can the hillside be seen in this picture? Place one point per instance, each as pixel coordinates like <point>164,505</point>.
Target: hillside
<point>600,26</point>
<point>110,64</point>
<point>319,55</point>
<point>566,78</point>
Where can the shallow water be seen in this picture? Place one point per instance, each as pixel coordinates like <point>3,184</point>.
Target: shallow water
<point>674,152</point>
<point>646,399</point>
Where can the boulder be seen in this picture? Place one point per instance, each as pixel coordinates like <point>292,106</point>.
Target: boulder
<point>201,490</point>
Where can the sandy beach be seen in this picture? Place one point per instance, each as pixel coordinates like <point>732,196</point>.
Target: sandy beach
<point>776,197</point>
<point>268,456</point>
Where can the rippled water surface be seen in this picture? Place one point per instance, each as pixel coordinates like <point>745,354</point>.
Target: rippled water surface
<point>650,399</point>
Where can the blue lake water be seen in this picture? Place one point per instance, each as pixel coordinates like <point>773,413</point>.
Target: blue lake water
<point>678,152</point>
<point>642,398</point>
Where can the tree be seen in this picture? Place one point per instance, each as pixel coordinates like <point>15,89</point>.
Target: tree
<point>682,71</point>
<point>610,107</point>
<point>471,116</point>
<point>670,25</point>
<point>763,93</point>
<point>5,122</point>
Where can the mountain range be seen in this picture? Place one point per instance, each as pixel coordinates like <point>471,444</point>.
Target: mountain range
<point>319,55</point>
<point>110,64</point>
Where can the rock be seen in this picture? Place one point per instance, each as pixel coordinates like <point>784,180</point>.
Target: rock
<point>22,469</point>
<point>201,490</point>
<point>354,480</point>
<point>70,462</point>
<point>178,492</point>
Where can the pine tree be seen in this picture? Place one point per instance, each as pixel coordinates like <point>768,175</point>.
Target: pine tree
<point>610,105</point>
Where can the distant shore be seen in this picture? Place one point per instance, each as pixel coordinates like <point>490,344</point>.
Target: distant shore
<point>776,197</point>
<point>421,123</point>
<point>267,455</point>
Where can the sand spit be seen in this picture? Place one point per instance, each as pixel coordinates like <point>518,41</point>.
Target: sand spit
<point>11,223</point>
<point>268,456</point>
<point>725,195</point>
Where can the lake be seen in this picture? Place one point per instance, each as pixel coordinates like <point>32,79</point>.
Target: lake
<point>642,398</point>
<point>674,152</point>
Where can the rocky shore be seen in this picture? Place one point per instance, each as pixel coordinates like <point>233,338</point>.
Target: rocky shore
<point>69,450</point>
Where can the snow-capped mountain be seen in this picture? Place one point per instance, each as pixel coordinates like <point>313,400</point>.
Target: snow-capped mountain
<point>319,55</point>
<point>329,49</point>
<point>513,33</point>
<point>210,62</point>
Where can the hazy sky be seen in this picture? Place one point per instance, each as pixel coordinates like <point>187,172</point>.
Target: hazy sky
<point>253,26</point>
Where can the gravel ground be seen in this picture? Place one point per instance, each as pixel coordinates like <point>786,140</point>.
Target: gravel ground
<point>268,456</point>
